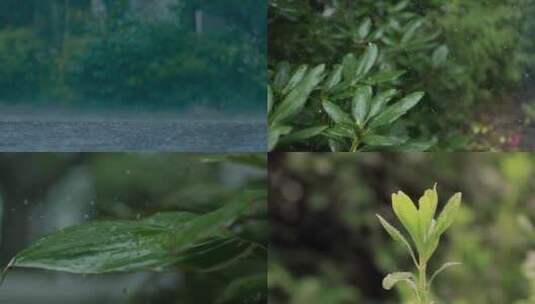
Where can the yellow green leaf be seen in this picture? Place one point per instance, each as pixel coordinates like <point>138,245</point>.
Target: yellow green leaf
<point>407,214</point>
<point>427,206</point>
<point>448,214</point>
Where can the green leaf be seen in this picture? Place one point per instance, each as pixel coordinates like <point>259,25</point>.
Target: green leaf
<point>340,131</point>
<point>415,145</point>
<point>393,278</point>
<point>427,206</point>
<point>349,64</point>
<point>296,99</point>
<point>367,61</point>
<point>296,79</point>
<point>395,111</point>
<point>380,101</point>
<point>397,236</point>
<point>282,76</point>
<point>411,29</point>
<point>245,290</point>
<point>428,249</point>
<point>442,268</point>
<point>336,113</point>
<point>258,160</point>
<point>383,141</point>
<point>440,56</point>
<point>269,99</point>
<point>448,214</point>
<point>303,134</point>
<point>336,144</point>
<point>361,104</point>
<point>217,253</point>
<point>364,28</point>
<point>400,6</point>
<point>407,214</point>
<point>274,133</point>
<point>384,76</point>
<point>334,77</point>
<point>184,239</point>
<point>377,34</point>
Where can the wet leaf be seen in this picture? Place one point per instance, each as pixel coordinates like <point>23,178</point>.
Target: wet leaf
<point>303,134</point>
<point>349,64</point>
<point>183,239</point>
<point>340,131</point>
<point>336,113</point>
<point>361,104</point>
<point>296,78</point>
<point>296,99</point>
<point>384,76</point>
<point>395,111</point>
<point>367,61</point>
<point>380,101</point>
<point>334,77</point>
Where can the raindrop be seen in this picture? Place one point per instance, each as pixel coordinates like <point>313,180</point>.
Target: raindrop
<point>128,172</point>
<point>26,202</point>
<point>138,216</point>
<point>86,216</point>
<point>92,203</point>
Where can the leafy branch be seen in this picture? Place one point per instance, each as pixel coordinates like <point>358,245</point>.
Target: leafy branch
<point>425,232</point>
<point>349,108</point>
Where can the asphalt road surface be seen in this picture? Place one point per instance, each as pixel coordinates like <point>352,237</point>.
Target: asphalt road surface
<point>190,136</point>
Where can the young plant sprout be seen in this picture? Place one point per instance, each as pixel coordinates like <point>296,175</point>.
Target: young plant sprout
<point>425,233</point>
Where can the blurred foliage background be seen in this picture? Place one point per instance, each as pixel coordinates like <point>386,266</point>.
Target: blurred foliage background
<point>327,246</point>
<point>474,59</point>
<point>44,192</point>
<point>156,53</point>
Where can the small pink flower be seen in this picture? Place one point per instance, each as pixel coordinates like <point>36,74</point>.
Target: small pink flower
<point>514,140</point>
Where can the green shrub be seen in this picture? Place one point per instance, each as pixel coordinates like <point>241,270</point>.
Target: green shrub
<point>165,65</point>
<point>24,64</point>
<point>461,53</point>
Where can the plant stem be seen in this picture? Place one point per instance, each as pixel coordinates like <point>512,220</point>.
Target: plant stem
<point>354,145</point>
<point>422,284</point>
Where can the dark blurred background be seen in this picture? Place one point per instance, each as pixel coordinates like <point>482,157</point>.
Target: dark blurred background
<point>327,246</point>
<point>44,192</point>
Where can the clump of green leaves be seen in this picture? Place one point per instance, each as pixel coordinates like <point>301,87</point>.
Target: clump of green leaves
<point>345,108</point>
<point>425,232</point>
